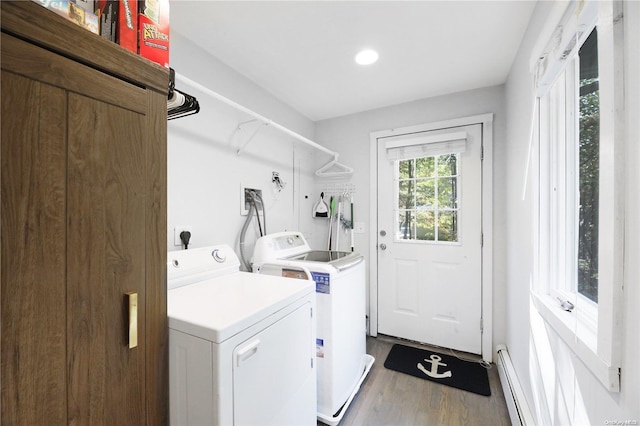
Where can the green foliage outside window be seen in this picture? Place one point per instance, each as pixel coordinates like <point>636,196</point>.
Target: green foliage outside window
<point>589,197</point>
<point>589,148</point>
<point>428,198</point>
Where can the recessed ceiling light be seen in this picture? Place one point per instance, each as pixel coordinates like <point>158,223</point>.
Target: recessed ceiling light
<point>366,57</point>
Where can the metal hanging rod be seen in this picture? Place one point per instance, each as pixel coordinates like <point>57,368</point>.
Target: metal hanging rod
<point>246,110</point>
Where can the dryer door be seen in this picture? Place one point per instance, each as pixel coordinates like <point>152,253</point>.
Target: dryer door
<point>274,381</point>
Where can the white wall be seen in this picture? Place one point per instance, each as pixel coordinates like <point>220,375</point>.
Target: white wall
<point>204,171</point>
<point>350,136</point>
<point>559,387</point>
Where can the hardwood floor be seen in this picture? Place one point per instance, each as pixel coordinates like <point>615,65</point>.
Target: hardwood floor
<point>391,398</point>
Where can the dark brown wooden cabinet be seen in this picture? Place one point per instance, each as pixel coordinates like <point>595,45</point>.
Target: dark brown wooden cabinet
<point>83,222</point>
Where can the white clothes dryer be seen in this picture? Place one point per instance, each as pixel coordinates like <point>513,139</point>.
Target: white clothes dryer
<point>341,354</point>
<point>241,345</point>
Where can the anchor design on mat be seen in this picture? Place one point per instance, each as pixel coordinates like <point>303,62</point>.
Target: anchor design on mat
<point>435,363</point>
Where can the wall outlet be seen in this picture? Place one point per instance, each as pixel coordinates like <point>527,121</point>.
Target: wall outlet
<point>245,204</point>
<point>176,234</point>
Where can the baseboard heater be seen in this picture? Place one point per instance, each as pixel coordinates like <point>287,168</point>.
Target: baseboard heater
<point>519,411</point>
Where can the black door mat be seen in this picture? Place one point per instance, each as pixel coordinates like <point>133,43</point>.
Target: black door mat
<point>440,368</point>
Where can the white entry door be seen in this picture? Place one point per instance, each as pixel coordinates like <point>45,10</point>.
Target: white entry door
<point>430,237</point>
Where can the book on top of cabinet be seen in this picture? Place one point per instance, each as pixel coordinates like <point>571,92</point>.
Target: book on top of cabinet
<point>75,12</point>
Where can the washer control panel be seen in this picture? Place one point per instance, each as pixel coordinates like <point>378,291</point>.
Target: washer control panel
<point>290,241</point>
<point>279,245</point>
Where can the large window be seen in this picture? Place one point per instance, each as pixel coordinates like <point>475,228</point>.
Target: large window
<point>570,122</point>
<point>580,242</point>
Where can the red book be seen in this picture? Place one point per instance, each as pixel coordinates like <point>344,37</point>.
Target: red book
<point>127,28</point>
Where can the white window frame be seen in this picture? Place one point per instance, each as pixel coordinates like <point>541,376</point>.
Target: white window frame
<point>591,330</point>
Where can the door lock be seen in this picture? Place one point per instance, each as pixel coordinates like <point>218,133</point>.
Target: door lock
<point>383,233</point>
<point>383,246</point>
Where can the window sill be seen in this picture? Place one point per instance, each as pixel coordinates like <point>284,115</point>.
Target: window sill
<point>582,344</point>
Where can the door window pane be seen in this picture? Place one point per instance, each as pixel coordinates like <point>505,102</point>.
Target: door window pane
<point>406,168</point>
<point>448,226</point>
<point>405,230</point>
<point>405,194</point>
<point>447,165</point>
<point>425,193</point>
<point>447,191</point>
<point>426,226</point>
<point>425,167</point>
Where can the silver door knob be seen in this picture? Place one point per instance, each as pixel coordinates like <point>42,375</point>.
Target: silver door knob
<point>383,246</point>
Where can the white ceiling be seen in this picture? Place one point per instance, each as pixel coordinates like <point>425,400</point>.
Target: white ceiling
<point>303,51</point>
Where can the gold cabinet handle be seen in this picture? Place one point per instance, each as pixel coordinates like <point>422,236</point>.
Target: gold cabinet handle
<point>132,301</point>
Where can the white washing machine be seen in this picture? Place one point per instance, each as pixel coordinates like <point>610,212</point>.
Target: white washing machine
<point>341,354</point>
<point>241,345</point>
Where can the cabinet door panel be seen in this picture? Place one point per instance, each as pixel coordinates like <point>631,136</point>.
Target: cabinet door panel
<point>33,305</point>
<point>106,259</point>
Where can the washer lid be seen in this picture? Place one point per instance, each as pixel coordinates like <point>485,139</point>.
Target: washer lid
<point>328,260</point>
<point>321,256</point>
<point>219,308</point>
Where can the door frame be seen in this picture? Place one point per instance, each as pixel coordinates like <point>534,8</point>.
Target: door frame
<point>486,120</point>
